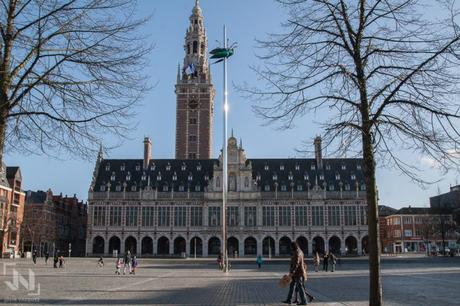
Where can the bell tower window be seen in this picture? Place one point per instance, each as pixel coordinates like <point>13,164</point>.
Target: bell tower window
<point>195,47</point>
<point>188,48</point>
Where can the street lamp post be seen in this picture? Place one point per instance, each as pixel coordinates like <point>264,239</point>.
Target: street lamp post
<point>222,54</point>
<point>225,163</point>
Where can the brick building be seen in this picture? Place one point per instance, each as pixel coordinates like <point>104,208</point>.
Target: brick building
<point>52,222</point>
<point>11,209</point>
<point>412,229</point>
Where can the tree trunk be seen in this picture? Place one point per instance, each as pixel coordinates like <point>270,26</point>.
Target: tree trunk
<point>375,288</point>
<point>5,80</point>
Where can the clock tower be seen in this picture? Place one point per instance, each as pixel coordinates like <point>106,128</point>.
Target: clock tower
<point>195,94</point>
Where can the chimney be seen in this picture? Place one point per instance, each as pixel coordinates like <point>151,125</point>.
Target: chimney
<point>147,151</point>
<point>318,154</point>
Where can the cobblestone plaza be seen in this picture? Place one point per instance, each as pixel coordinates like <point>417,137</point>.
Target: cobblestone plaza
<point>199,282</point>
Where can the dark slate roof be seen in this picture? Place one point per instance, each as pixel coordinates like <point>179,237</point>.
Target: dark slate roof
<point>160,172</point>
<point>35,197</point>
<point>414,211</point>
<point>11,171</point>
<point>385,211</point>
<point>334,172</point>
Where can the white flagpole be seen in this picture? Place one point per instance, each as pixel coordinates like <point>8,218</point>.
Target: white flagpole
<point>224,162</point>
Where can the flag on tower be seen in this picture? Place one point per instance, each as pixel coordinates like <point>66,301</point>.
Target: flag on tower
<point>190,69</point>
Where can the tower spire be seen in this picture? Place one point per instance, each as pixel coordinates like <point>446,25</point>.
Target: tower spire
<point>195,93</point>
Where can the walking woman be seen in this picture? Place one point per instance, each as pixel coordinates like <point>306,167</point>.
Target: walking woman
<point>297,271</point>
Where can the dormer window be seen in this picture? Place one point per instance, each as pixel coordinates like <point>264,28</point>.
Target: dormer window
<point>337,176</point>
<point>181,187</point>
<point>112,177</point>
<point>102,188</point>
<point>321,177</point>
<point>138,167</point>
<point>190,177</point>
<point>282,167</point>
<point>197,188</point>
<point>118,188</point>
<point>344,167</point>
<point>283,187</point>
<point>159,176</point>
<point>183,167</point>
<point>198,167</point>
<point>122,168</point>
<point>152,167</point>
<point>174,177</point>
<point>168,167</point>
<point>331,187</point>
<point>297,167</point>
<point>144,176</point>
<point>128,176</point>
<point>266,167</point>
<point>299,188</point>
<point>206,177</point>
<point>328,167</point>
<point>165,188</point>
<point>267,188</point>
<point>347,187</point>
<point>358,167</point>
<point>363,187</point>
<point>312,167</point>
<point>306,177</point>
<point>353,177</point>
<point>107,167</point>
<point>290,177</point>
<point>275,177</point>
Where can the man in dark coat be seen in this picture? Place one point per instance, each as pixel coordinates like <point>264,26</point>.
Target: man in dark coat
<point>297,271</point>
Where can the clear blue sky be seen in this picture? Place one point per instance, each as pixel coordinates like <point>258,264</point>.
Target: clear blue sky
<point>246,21</point>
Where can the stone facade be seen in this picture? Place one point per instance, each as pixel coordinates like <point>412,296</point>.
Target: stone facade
<point>195,94</point>
<point>173,207</point>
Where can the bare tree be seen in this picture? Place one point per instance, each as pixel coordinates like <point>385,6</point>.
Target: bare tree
<point>384,74</point>
<point>70,72</point>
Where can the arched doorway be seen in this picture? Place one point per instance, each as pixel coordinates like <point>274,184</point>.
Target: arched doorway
<point>318,245</point>
<point>334,245</point>
<point>179,246</point>
<point>163,246</point>
<point>268,246</point>
<point>351,246</point>
<point>285,246</point>
<point>233,246</point>
<point>131,245</point>
<point>98,245</point>
<point>302,242</point>
<point>196,246</point>
<point>214,246</point>
<point>147,246</point>
<point>365,245</point>
<point>250,246</point>
<point>114,244</point>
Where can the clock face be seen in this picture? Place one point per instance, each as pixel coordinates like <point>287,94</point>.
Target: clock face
<point>193,104</point>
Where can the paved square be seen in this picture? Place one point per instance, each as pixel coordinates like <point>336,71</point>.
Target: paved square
<point>406,281</point>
